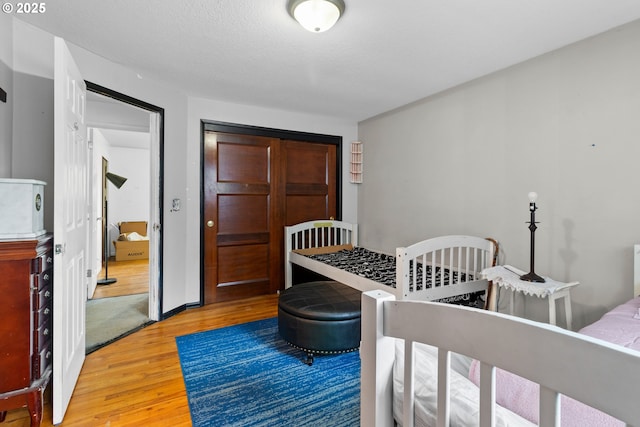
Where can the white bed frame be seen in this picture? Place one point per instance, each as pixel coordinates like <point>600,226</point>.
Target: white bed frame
<point>464,254</point>
<point>636,270</point>
<point>595,372</point>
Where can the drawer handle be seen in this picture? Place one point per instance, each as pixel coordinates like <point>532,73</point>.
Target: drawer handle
<point>45,332</point>
<point>45,277</point>
<point>47,311</point>
<point>48,355</point>
<point>47,294</point>
<point>49,260</point>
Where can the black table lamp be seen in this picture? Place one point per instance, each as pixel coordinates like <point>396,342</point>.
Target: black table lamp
<point>531,276</point>
<point>117,181</point>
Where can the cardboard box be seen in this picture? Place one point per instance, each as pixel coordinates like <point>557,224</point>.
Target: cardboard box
<point>139,227</point>
<point>129,250</point>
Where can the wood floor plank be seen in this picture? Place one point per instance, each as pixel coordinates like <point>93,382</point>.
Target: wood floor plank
<point>137,381</point>
<point>132,278</point>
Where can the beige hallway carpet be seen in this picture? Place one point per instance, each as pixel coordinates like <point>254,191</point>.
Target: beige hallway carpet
<point>109,319</point>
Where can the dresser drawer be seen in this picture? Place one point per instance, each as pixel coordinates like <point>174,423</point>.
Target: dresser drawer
<point>43,297</point>
<point>42,360</point>
<point>42,315</point>
<point>42,280</point>
<point>42,335</point>
<point>42,263</point>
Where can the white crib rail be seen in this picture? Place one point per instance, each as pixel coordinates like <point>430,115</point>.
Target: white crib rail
<point>597,373</point>
<point>464,256</point>
<point>316,234</point>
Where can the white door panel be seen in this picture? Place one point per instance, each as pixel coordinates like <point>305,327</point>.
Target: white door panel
<point>93,254</point>
<point>154,226</point>
<point>70,228</point>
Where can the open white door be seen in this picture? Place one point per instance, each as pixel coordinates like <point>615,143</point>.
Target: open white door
<point>154,229</point>
<point>70,228</point>
<point>94,254</point>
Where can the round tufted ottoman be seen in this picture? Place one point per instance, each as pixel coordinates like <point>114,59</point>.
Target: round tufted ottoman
<point>320,317</point>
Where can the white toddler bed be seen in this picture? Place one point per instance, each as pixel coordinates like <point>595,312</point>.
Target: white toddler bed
<point>435,269</point>
<point>425,381</point>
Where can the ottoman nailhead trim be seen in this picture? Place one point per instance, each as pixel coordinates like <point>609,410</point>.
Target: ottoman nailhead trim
<point>322,351</point>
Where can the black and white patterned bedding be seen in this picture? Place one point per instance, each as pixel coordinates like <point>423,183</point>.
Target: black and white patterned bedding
<point>381,268</point>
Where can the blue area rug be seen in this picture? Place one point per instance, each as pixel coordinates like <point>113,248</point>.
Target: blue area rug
<point>246,375</point>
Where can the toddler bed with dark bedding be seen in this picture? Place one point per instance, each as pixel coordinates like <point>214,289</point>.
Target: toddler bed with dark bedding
<point>444,268</point>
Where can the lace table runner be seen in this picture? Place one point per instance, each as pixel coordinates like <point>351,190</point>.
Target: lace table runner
<point>509,277</point>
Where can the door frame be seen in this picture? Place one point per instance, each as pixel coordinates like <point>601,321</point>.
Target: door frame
<point>312,138</point>
<point>155,313</point>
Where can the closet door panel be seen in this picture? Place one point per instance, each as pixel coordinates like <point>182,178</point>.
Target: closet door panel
<point>307,207</point>
<point>238,215</point>
<point>310,189</point>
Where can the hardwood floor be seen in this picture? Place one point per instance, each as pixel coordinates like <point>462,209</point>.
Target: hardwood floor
<point>137,381</point>
<point>133,278</point>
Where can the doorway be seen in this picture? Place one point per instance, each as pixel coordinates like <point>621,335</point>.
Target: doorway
<point>255,182</point>
<point>126,142</point>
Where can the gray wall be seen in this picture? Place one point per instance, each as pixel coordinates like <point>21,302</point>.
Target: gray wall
<point>566,125</point>
<point>32,154</point>
<point>6,119</point>
<point>6,83</point>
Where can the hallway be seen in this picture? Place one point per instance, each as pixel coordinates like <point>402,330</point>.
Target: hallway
<point>133,278</point>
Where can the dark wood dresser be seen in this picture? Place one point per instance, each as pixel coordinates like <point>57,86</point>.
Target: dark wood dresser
<point>26,347</point>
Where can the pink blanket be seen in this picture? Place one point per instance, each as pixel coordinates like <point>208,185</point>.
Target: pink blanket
<point>620,326</point>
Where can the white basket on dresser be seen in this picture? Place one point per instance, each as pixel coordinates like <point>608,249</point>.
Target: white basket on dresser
<point>21,208</point>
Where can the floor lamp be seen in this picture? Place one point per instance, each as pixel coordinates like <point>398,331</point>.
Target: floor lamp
<point>117,181</point>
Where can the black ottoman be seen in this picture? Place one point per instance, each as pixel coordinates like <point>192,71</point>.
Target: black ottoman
<point>320,318</point>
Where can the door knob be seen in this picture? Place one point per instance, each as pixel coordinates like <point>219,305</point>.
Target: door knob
<point>210,223</point>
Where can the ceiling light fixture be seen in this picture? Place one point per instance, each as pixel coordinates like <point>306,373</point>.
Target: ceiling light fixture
<point>316,15</point>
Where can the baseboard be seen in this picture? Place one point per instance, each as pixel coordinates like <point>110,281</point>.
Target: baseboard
<point>174,311</point>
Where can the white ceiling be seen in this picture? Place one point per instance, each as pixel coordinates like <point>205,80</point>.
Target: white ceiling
<point>381,55</point>
<point>122,125</point>
<point>127,139</point>
<point>107,113</point>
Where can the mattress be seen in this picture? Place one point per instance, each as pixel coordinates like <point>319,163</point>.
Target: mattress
<point>381,268</point>
<point>619,326</point>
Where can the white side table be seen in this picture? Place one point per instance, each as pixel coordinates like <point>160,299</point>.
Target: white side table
<point>508,277</point>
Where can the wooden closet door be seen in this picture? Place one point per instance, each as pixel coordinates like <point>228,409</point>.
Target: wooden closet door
<point>253,187</point>
<point>240,215</point>
<point>310,181</point>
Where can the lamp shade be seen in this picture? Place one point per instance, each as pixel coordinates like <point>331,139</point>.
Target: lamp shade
<point>116,180</point>
<point>316,15</point>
